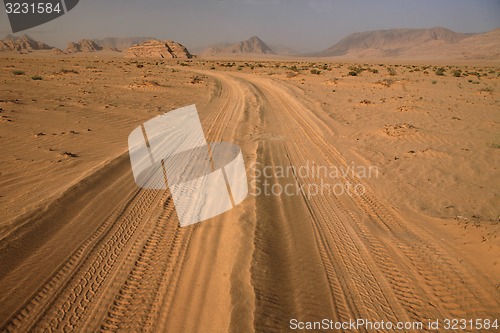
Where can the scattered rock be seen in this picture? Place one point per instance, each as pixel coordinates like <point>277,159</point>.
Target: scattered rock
<point>69,154</point>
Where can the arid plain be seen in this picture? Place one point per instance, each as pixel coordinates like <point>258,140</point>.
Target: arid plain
<point>83,248</point>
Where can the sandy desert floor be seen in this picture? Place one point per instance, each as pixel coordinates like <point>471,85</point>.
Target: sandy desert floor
<point>82,248</point>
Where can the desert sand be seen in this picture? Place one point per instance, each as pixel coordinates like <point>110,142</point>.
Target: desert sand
<point>83,249</point>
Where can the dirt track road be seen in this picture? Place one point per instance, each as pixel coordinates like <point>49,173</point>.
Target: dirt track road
<point>271,259</point>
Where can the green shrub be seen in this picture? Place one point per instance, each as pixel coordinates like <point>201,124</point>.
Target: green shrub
<point>17,72</point>
<point>315,71</point>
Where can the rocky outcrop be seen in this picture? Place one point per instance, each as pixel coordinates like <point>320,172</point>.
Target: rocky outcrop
<point>22,44</point>
<point>85,45</point>
<point>57,51</point>
<point>120,43</point>
<point>158,49</point>
<point>253,45</point>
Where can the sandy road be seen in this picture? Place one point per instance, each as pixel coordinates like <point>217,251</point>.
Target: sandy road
<point>271,259</point>
<point>378,264</point>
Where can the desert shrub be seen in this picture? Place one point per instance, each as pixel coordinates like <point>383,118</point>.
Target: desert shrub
<point>486,89</point>
<point>391,71</point>
<point>37,78</point>
<point>440,71</point>
<point>17,72</point>
<point>353,73</point>
<point>315,71</point>
<point>196,79</point>
<point>456,73</point>
<point>65,71</point>
<point>356,69</point>
<point>386,82</point>
<point>434,82</point>
<point>291,74</point>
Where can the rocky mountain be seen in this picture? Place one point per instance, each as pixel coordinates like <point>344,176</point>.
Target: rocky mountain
<point>485,46</point>
<point>158,49</point>
<point>119,43</point>
<point>253,45</point>
<point>22,44</point>
<point>393,42</point>
<point>85,45</point>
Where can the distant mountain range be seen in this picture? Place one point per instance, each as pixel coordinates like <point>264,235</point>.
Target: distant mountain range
<point>253,45</point>
<point>397,43</point>
<point>22,44</point>
<point>416,43</point>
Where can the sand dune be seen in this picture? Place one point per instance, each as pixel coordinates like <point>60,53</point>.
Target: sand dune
<point>82,248</point>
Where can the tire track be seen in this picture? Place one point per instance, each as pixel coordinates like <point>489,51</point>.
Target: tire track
<point>67,298</point>
<point>391,262</point>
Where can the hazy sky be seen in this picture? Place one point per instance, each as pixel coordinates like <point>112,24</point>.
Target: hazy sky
<point>305,25</point>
